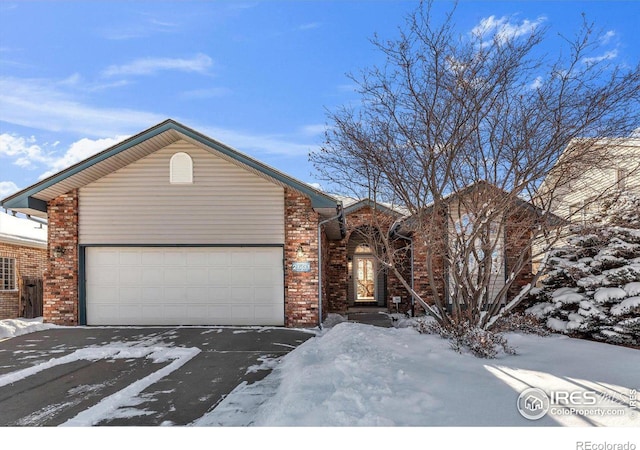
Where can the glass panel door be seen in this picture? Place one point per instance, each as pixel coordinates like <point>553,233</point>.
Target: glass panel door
<point>365,278</point>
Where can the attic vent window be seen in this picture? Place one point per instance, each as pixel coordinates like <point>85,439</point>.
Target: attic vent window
<point>181,169</point>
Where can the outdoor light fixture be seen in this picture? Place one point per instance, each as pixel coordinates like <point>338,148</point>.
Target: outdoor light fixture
<point>300,252</point>
<point>58,251</point>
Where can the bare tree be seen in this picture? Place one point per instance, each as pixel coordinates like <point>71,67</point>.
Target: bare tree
<point>461,129</point>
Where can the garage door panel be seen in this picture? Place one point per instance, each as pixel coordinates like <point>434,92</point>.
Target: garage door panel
<point>129,295</point>
<point>131,258</point>
<point>219,259</point>
<point>129,276</point>
<point>151,276</point>
<point>200,259</point>
<point>219,276</point>
<point>149,258</point>
<point>175,258</point>
<point>198,276</point>
<point>184,286</point>
<point>151,294</point>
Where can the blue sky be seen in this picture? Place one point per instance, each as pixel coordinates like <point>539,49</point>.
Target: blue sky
<point>77,77</point>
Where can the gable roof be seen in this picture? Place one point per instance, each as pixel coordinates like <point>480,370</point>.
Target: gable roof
<point>496,192</point>
<point>351,205</point>
<point>33,199</point>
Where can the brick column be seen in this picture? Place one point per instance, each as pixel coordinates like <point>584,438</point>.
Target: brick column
<point>301,288</point>
<point>61,278</point>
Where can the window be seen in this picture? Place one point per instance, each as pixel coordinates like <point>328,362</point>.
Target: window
<point>7,274</point>
<point>181,169</point>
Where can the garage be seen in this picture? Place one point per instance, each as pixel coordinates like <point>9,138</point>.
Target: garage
<point>184,285</point>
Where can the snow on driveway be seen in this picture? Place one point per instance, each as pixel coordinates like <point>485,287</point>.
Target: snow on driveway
<point>360,375</point>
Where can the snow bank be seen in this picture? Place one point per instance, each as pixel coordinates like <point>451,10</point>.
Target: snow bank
<point>16,327</point>
<point>360,375</point>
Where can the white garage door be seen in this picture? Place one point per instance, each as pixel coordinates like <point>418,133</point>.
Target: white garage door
<point>184,286</point>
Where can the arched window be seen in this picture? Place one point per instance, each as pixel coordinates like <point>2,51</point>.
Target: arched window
<point>181,169</point>
<point>363,248</point>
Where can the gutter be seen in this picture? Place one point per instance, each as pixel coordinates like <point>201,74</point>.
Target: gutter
<point>320,224</point>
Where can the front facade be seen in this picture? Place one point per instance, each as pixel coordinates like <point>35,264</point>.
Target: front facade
<point>23,251</point>
<point>171,227</point>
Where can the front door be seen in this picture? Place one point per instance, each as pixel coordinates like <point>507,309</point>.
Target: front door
<point>364,277</point>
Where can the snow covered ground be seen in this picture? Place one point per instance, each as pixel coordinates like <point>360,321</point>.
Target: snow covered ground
<point>359,375</point>
<point>355,375</point>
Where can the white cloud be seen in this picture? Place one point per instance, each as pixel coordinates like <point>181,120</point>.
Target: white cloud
<point>26,153</point>
<point>313,130</point>
<point>7,188</point>
<point>606,38</point>
<point>144,25</point>
<point>309,26</point>
<point>79,151</point>
<point>537,83</point>
<point>502,30</point>
<point>256,144</point>
<point>149,66</point>
<point>197,94</point>
<point>611,54</point>
<point>41,104</point>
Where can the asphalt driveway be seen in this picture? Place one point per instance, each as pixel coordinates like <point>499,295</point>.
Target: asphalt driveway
<point>131,376</point>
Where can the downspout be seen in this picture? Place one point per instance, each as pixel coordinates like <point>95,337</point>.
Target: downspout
<point>320,224</point>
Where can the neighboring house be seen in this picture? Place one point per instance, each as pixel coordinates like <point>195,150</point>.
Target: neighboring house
<point>171,227</point>
<point>588,173</point>
<point>577,191</point>
<point>23,259</point>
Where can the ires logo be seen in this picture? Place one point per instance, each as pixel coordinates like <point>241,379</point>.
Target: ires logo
<point>576,398</point>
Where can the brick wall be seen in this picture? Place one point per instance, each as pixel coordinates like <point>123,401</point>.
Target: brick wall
<point>30,262</point>
<point>61,278</point>
<point>301,288</point>
<point>518,244</point>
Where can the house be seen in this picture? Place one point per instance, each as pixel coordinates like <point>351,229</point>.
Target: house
<point>171,227</point>
<point>23,258</point>
<point>589,171</point>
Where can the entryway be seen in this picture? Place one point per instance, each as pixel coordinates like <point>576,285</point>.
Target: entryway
<point>369,315</point>
<point>367,280</point>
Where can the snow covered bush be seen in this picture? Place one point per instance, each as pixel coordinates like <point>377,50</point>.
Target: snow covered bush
<point>592,284</point>
<point>463,336</point>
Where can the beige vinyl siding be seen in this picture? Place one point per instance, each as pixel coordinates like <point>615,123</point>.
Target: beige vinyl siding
<point>597,182</point>
<point>497,280</point>
<point>138,205</point>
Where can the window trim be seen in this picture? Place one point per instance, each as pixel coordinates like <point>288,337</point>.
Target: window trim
<point>12,284</point>
<point>179,158</point>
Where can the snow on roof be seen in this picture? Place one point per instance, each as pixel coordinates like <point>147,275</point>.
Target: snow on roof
<point>22,231</point>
